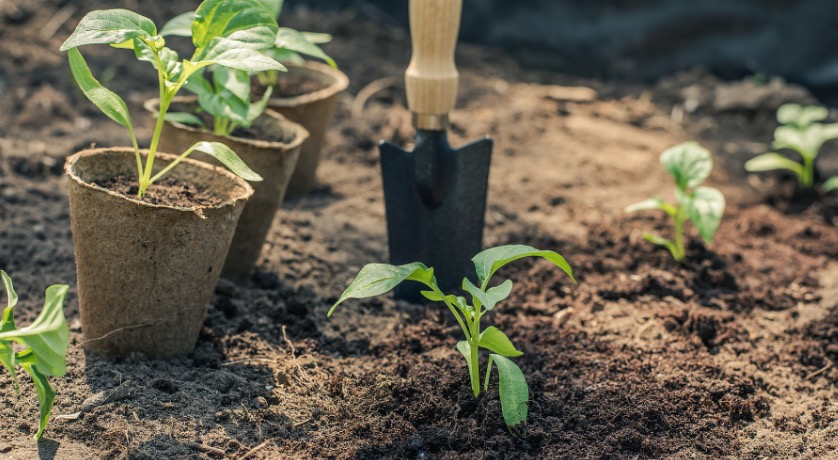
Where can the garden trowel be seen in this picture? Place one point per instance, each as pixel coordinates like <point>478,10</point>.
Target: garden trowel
<point>434,195</point>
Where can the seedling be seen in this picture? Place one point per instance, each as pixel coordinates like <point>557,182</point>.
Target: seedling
<point>800,132</point>
<point>289,45</point>
<point>41,346</point>
<point>227,33</point>
<point>689,164</point>
<point>227,99</point>
<point>377,279</point>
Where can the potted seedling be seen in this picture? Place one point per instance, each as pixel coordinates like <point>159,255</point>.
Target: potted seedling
<point>267,142</point>
<point>801,133</point>
<point>689,164</point>
<point>306,93</point>
<point>377,279</point>
<point>151,230</point>
<point>41,348</point>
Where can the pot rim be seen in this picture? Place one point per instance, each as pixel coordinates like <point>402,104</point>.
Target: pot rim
<point>72,160</point>
<point>299,132</point>
<point>341,82</point>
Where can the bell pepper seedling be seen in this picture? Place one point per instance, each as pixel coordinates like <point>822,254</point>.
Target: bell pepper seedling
<point>226,33</point>
<point>45,341</point>
<point>377,279</point>
<point>689,164</point>
<point>800,132</point>
<point>288,46</point>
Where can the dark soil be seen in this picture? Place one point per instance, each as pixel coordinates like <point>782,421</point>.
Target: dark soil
<point>731,354</point>
<point>165,191</point>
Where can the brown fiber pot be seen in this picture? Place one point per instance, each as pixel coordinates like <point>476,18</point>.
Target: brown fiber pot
<point>146,272</point>
<point>273,160</point>
<point>314,111</point>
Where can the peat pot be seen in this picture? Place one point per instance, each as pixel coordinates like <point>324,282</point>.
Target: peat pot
<point>312,108</point>
<point>146,272</point>
<point>272,153</point>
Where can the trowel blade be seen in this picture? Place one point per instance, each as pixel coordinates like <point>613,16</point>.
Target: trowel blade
<point>435,200</point>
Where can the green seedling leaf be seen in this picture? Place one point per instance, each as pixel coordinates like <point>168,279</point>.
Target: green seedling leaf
<point>377,279</point>
<point>498,294</point>
<point>110,27</point>
<point>106,100</point>
<point>652,203</point>
<point>240,23</point>
<point>494,340</point>
<point>228,158</point>
<point>459,302</point>
<point>831,184</point>
<point>479,298</point>
<point>293,40</point>
<point>184,118</point>
<point>794,114</point>
<point>274,6</point>
<point>487,262</point>
<point>179,26</point>
<point>46,394</point>
<point>7,323</point>
<point>285,56</point>
<point>689,163</point>
<point>11,299</point>
<point>773,161</point>
<point>227,53</point>
<point>705,207</point>
<point>48,336</point>
<point>465,349</point>
<point>513,390</point>
<point>257,108</point>
<point>655,239</point>
<point>7,358</point>
<point>318,38</point>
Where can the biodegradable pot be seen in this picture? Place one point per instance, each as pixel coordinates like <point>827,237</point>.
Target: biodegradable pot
<point>314,111</point>
<point>274,160</point>
<point>146,272</point>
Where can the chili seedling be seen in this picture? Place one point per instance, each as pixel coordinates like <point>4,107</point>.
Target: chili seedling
<point>689,164</point>
<point>44,343</point>
<point>377,279</point>
<point>800,132</point>
<point>227,33</point>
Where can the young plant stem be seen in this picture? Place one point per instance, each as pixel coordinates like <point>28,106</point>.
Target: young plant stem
<point>475,355</point>
<point>678,252</point>
<point>807,177</point>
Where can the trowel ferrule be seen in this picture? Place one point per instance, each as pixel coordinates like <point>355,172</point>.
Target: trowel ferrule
<point>431,122</point>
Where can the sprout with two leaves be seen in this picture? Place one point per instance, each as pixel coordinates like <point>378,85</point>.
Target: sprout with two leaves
<point>226,33</point>
<point>377,279</point>
<point>689,164</point>
<point>800,132</point>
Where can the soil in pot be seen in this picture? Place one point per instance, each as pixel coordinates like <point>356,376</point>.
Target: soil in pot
<point>307,94</point>
<point>146,271</point>
<point>271,147</point>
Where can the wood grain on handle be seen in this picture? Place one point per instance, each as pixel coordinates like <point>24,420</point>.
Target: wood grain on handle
<point>431,78</point>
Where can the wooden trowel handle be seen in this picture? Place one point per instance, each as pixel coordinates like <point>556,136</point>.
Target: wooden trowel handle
<point>431,78</point>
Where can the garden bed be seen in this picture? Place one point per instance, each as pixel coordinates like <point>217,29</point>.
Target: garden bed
<point>731,354</point>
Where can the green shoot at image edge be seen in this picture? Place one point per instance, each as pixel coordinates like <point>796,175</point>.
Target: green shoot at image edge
<point>800,132</point>
<point>45,343</point>
<point>225,33</point>
<point>377,279</point>
<point>689,164</point>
